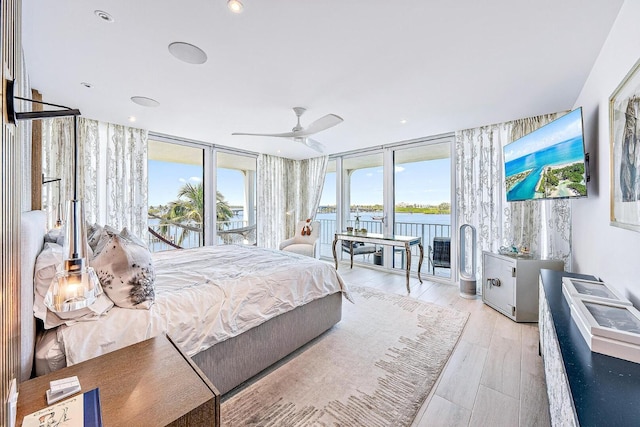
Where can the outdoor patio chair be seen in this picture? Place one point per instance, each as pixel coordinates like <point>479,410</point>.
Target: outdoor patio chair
<point>440,253</point>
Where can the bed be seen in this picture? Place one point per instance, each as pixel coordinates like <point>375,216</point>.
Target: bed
<point>235,310</point>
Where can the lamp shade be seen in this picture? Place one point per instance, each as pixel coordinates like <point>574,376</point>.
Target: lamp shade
<point>76,286</point>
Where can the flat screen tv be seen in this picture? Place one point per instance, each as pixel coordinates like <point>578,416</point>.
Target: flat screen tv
<point>548,163</point>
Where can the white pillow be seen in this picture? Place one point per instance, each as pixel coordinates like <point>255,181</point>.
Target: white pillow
<point>125,270</point>
<point>47,265</point>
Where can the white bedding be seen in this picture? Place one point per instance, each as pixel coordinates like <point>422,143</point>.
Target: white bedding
<point>207,295</point>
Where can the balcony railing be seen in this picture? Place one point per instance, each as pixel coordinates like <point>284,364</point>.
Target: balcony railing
<point>228,232</point>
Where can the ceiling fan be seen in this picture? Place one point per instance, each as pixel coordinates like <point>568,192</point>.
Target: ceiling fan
<point>300,134</point>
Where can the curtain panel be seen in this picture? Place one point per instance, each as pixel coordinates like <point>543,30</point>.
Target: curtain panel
<point>542,226</point>
<point>112,171</point>
<point>289,191</point>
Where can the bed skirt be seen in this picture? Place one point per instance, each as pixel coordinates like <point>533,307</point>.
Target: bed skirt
<point>231,362</point>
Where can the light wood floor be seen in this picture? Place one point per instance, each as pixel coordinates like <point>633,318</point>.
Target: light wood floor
<point>494,376</point>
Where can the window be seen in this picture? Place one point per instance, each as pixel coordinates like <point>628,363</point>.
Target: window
<point>401,189</point>
<point>235,198</point>
<point>327,211</point>
<point>423,202</point>
<point>176,195</point>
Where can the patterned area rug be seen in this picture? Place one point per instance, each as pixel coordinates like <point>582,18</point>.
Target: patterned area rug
<point>374,368</point>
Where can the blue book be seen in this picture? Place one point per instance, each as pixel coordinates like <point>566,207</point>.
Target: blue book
<point>82,410</point>
<point>92,413</point>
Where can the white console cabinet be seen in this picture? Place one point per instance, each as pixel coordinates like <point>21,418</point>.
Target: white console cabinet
<point>510,284</point>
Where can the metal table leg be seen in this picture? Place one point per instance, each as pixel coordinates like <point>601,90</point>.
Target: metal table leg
<point>420,261</point>
<point>407,249</point>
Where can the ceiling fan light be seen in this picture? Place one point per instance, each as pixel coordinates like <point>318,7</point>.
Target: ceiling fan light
<point>235,6</point>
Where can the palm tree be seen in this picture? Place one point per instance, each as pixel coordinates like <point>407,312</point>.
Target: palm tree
<point>188,211</point>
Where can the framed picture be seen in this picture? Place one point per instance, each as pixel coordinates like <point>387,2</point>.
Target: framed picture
<point>624,127</point>
<point>609,328</point>
<point>591,290</point>
<point>613,321</point>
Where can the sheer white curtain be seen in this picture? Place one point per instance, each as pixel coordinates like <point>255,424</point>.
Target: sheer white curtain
<point>57,152</point>
<point>288,191</point>
<point>542,226</point>
<point>113,170</point>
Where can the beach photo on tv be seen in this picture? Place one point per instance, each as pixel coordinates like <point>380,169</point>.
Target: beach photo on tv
<point>548,162</point>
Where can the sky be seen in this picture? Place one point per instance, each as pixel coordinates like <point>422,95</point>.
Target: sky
<point>426,183</point>
<point>166,178</point>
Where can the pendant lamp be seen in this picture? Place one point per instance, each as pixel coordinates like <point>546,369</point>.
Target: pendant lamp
<point>75,286</point>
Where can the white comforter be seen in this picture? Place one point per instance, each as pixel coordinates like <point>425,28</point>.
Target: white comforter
<point>207,295</point>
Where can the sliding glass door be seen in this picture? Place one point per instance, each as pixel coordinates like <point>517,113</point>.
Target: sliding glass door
<point>327,210</point>
<point>235,198</point>
<point>199,194</point>
<point>402,189</point>
<point>422,177</point>
<point>363,208</point>
<point>176,195</point>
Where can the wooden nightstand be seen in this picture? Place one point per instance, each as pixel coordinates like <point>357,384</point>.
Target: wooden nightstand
<point>151,383</point>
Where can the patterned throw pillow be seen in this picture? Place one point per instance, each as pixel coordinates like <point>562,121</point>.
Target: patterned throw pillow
<point>125,270</point>
<point>94,232</point>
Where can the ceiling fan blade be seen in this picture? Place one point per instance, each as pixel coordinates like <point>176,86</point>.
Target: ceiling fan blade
<point>279,135</point>
<point>313,144</point>
<point>326,122</point>
<point>319,125</point>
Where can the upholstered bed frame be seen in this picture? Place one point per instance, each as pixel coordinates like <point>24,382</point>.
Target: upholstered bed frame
<point>228,363</point>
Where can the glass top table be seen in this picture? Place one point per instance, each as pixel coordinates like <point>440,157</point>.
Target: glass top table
<point>380,239</point>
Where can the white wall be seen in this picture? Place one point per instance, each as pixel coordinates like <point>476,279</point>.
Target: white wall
<point>611,253</point>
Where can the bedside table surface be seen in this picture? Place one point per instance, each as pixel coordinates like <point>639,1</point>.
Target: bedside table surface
<point>151,383</point>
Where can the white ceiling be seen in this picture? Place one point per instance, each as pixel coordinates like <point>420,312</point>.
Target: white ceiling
<point>440,65</point>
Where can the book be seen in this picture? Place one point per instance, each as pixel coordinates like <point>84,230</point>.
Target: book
<point>82,410</point>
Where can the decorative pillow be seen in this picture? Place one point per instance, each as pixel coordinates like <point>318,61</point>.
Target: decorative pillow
<point>47,265</point>
<point>125,270</point>
<point>101,239</point>
<point>126,234</point>
<point>94,232</point>
<point>55,235</point>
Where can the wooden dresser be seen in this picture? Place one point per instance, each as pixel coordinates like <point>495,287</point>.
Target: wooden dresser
<point>151,383</point>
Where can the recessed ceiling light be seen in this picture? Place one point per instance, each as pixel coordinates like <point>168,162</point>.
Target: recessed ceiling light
<point>104,15</point>
<point>144,101</point>
<point>132,119</point>
<point>235,6</point>
<point>87,85</point>
<point>188,53</point>
<point>403,121</point>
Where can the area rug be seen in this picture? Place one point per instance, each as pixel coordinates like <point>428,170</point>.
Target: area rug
<point>374,368</point>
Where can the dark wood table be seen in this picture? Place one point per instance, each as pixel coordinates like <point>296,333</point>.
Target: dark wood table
<point>151,383</point>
